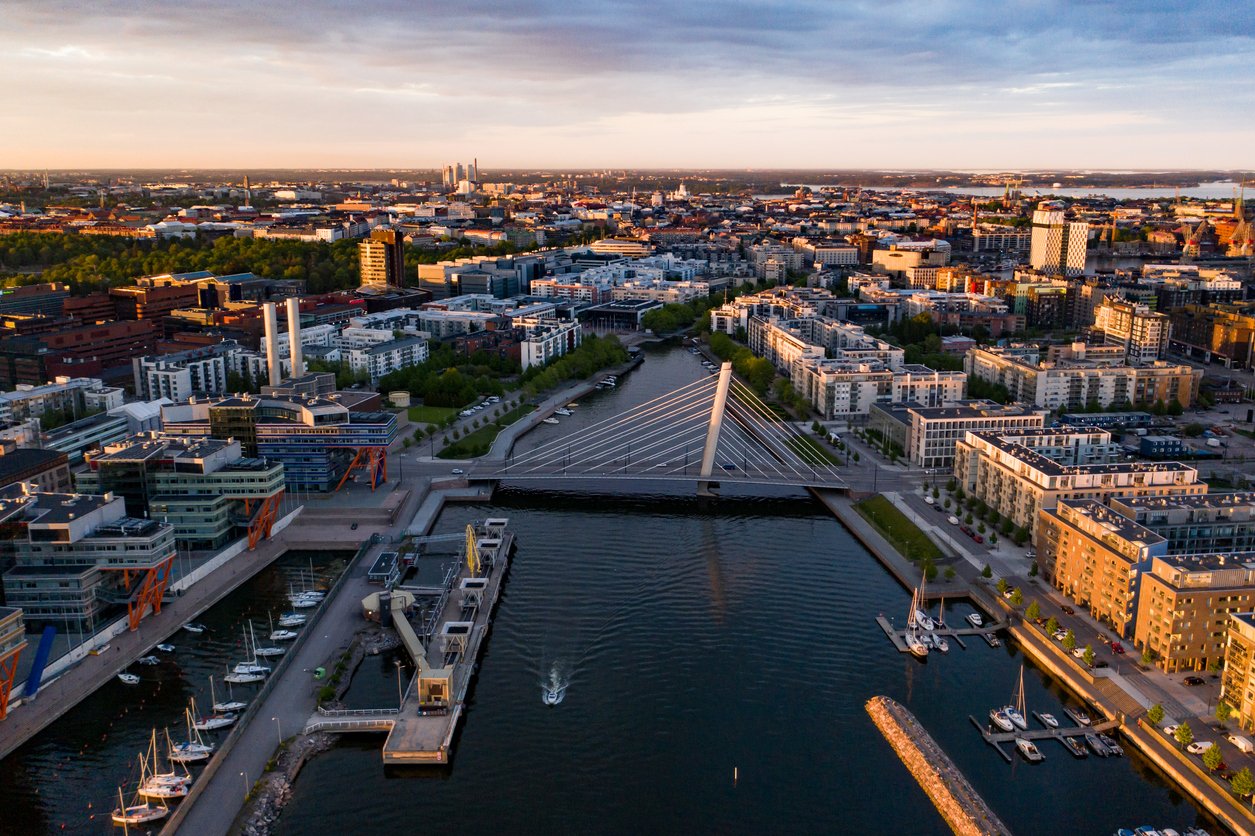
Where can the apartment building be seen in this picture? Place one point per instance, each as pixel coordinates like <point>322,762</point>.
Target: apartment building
<point>1212,522</point>
<point>1141,332</point>
<point>387,356</point>
<point>178,376</point>
<point>1237,684</point>
<point>928,435</point>
<point>1095,557</point>
<point>848,388</point>
<point>545,339</point>
<point>1185,606</point>
<point>1019,475</point>
<point>1056,245</point>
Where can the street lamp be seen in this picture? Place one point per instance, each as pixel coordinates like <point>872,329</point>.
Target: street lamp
<point>244,775</point>
<point>279,726</point>
<point>400,696</point>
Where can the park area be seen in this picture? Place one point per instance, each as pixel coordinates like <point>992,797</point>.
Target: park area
<point>904,535</point>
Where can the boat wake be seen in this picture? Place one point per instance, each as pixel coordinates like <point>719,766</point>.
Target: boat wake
<point>553,690</point>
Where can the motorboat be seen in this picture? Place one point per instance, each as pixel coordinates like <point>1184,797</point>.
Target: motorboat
<point>572,405</point>
<point>1096,746</point>
<point>553,691</point>
<point>1074,746</point>
<point>924,620</point>
<point>282,635</point>
<point>992,640</point>
<point>228,705</point>
<point>166,648</point>
<point>940,643</point>
<point>1000,719</point>
<point>565,413</point>
<point>1048,720</point>
<point>148,661</point>
<point>1113,747</point>
<point>975,620</point>
<point>138,813</point>
<point>1029,750</point>
<point>193,627</point>
<point>1014,715</point>
<point>292,619</point>
<point>549,420</point>
<point>304,603</point>
<point>1078,716</point>
<point>128,678</point>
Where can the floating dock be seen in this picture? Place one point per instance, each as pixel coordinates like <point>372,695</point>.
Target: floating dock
<point>955,799</point>
<point>956,633</point>
<point>421,731</point>
<point>996,739</point>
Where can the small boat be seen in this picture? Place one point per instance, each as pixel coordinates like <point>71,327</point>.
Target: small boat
<point>565,413</point>
<point>1001,720</point>
<point>1074,746</point>
<point>148,661</point>
<point>292,619</point>
<point>243,678</point>
<point>549,420</point>
<point>282,635</point>
<point>191,750</point>
<point>213,722</point>
<point>166,648</point>
<point>975,620</point>
<point>924,620</point>
<point>572,405</point>
<point>1029,750</point>
<point>914,642</point>
<point>227,706</point>
<point>940,643</point>
<point>138,813</point>
<point>128,678</point>
<point>553,691</point>
<point>273,650</point>
<point>1014,715</point>
<point>1112,747</point>
<point>1146,830</point>
<point>992,640</point>
<point>1078,716</point>
<point>193,627</point>
<point>156,785</point>
<point>1048,720</point>
<point>304,603</point>
<point>916,645</point>
<point>1096,746</point>
<point>1124,831</point>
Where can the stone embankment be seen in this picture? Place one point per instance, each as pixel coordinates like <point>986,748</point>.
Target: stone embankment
<point>272,792</point>
<point>956,800</point>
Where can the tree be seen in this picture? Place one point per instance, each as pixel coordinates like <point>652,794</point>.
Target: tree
<point>950,573</point>
<point>936,493</point>
<point>993,539</point>
<point>856,457</point>
<point>1017,597</point>
<point>980,528</point>
<point>946,504</point>
<point>1215,665</point>
<point>1069,641</point>
<point>951,485</point>
<point>968,518</point>
<point>1148,658</point>
<point>1032,570</point>
<point>1223,712</point>
<point>1155,714</point>
<point>1052,625</point>
<point>1243,783</point>
<point>1003,586</point>
<point>987,572</point>
<point>1184,734</point>
<point>1212,757</point>
<point>1033,612</point>
<point>1088,657</point>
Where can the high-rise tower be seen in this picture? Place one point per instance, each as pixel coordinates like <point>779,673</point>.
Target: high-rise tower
<point>381,258</point>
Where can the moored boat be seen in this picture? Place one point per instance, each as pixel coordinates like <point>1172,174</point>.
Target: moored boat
<point>1001,720</point>
<point>975,620</point>
<point>940,643</point>
<point>1048,720</point>
<point>166,648</point>
<point>292,619</point>
<point>128,678</point>
<point>549,420</point>
<point>193,627</point>
<point>1074,746</point>
<point>148,661</point>
<point>1029,750</point>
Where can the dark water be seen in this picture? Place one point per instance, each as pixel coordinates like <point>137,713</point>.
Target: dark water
<point>700,638</point>
<point>72,770</point>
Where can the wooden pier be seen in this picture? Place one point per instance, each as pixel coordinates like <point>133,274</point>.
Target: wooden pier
<point>997,738</point>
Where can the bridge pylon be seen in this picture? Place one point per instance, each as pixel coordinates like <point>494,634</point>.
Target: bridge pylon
<point>716,423</point>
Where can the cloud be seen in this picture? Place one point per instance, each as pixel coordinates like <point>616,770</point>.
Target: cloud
<point>547,82</point>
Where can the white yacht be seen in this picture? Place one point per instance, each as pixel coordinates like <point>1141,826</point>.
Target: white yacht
<point>155,785</point>
<point>1000,719</point>
<point>975,620</point>
<point>128,678</point>
<point>193,627</point>
<point>549,420</point>
<point>563,412</point>
<point>292,619</point>
<point>1029,750</point>
<point>191,750</point>
<point>1048,720</point>
<point>138,813</point>
<point>148,661</point>
<point>940,643</point>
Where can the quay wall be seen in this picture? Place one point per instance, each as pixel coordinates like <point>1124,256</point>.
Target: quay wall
<point>955,799</point>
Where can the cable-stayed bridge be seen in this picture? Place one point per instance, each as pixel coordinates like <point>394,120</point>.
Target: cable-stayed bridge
<point>714,430</point>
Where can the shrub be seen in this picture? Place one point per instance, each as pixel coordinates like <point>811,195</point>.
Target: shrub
<point>1155,714</point>
<point>987,572</point>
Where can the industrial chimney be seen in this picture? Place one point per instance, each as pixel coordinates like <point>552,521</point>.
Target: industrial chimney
<point>294,336</point>
<point>272,343</point>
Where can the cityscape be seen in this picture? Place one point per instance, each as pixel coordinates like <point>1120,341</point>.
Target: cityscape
<point>584,429</point>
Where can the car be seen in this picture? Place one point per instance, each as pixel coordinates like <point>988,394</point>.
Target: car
<point>1059,635</point>
<point>929,500</point>
<point>1009,594</point>
<point>1171,730</point>
<point>978,538</point>
<point>728,466</point>
<point>457,471</point>
<point>1078,652</point>
<point>353,527</point>
<point>1068,610</point>
<point>953,520</point>
<point>1194,680</point>
<point>1117,648</point>
<point>1198,747</point>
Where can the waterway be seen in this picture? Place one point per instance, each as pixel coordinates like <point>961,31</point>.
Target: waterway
<point>703,640</point>
<point>65,780</point>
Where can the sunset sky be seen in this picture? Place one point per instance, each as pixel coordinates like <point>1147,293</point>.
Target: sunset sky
<point>593,83</point>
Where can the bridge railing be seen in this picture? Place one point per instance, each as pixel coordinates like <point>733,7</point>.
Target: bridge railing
<point>358,724</point>
<point>358,712</point>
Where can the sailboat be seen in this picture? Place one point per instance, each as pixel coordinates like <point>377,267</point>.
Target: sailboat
<point>292,619</point>
<point>249,665</point>
<point>191,750</point>
<point>213,721</point>
<point>272,650</point>
<point>280,635</point>
<point>922,618</point>
<point>1015,713</point>
<point>227,704</point>
<point>156,785</point>
<point>913,641</point>
<point>138,813</point>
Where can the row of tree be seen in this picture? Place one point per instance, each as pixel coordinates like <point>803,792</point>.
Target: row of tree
<point>593,354</point>
<point>756,371</point>
<point>448,378</point>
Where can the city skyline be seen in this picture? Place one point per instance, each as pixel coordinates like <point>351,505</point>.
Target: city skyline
<point>727,84</point>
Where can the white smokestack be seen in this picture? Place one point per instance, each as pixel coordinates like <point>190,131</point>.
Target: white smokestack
<point>272,343</point>
<point>294,336</point>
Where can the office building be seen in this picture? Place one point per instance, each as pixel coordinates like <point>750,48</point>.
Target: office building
<point>206,488</point>
<point>1058,246</point>
<point>80,558</point>
<point>381,259</point>
<point>927,435</point>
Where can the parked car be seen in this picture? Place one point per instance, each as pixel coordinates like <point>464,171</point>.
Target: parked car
<point>1059,635</point>
<point>1067,610</point>
<point>1244,744</point>
<point>1078,652</point>
<point>953,520</point>
<point>1198,747</point>
<point>978,538</point>
<point>1117,648</point>
<point>1194,680</point>
<point>457,471</point>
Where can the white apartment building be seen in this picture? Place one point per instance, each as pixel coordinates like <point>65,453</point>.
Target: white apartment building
<point>381,358</point>
<point>201,371</point>
<point>846,388</point>
<point>546,339</point>
<point>1058,246</point>
<point>932,432</point>
<point>1141,332</point>
<point>70,395</point>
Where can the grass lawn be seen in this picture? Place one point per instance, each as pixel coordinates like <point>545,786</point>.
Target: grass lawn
<point>432,414</point>
<point>478,442</point>
<point>905,535</point>
<point>812,451</point>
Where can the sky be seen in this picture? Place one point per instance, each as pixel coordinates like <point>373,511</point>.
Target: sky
<point>964,84</point>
